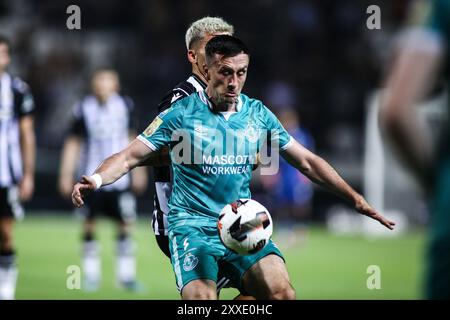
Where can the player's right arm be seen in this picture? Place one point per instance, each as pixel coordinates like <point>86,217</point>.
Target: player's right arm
<point>157,135</point>
<point>27,140</point>
<point>112,169</point>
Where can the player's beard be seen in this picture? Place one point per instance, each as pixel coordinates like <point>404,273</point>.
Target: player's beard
<point>226,102</point>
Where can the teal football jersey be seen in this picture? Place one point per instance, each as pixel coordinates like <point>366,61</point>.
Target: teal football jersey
<point>212,153</point>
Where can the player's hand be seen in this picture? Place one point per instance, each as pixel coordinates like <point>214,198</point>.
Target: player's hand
<point>26,188</point>
<point>81,189</point>
<point>364,208</point>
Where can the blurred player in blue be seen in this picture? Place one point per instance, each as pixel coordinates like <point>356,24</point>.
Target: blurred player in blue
<point>211,171</point>
<point>103,123</point>
<point>17,161</point>
<point>421,62</point>
<point>293,191</point>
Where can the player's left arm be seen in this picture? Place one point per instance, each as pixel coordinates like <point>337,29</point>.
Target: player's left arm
<point>28,149</point>
<point>322,173</point>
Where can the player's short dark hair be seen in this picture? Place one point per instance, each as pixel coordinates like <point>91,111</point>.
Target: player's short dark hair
<point>225,45</point>
<point>5,40</point>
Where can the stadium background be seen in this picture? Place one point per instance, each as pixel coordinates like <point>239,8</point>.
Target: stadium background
<point>319,58</point>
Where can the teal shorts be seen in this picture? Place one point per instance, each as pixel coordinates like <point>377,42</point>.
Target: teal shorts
<point>198,253</point>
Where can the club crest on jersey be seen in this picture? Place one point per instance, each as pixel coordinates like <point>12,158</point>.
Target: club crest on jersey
<point>190,262</point>
<point>251,133</point>
<point>152,127</point>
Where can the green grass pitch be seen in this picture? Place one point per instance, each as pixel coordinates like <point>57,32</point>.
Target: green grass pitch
<point>324,266</point>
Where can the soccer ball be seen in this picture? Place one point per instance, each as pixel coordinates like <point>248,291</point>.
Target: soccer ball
<point>245,226</point>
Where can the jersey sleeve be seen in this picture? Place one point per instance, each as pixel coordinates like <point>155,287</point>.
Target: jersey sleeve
<point>160,130</point>
<point>278,135</point>
<point>26,104</point>
<point>438,17</point>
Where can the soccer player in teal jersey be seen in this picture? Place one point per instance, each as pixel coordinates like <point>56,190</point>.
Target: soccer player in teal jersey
<point>214,137</point>
<point>423,58</point>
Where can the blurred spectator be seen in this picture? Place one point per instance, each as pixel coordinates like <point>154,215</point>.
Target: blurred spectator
<point>17,161</point>
<point>103,125</point>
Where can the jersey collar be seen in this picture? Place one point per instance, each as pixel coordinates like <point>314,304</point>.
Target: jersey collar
<point>197,82</point>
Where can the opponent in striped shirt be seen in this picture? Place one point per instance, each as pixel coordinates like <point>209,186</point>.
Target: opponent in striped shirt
<point>102,125</point>
<point>17,158</point>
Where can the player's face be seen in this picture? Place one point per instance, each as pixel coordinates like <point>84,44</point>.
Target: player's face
<point>4,56</point>
<point>104,84</point>
<point>226,78</point>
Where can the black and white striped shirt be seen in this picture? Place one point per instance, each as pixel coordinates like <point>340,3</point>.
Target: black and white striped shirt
<point>104,129</point>
<point>16,102</point>
<point>163,184</point>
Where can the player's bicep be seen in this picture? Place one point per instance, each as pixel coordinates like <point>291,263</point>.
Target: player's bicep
<point>157,158</point>
<point>136,152</point>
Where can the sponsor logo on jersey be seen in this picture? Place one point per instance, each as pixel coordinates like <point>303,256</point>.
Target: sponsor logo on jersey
<point>152,127</point>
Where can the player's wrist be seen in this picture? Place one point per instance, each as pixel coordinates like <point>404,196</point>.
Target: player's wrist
<point>358,201</point>
<point>97,180</point>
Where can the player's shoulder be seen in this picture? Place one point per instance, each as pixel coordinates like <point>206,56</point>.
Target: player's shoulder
<point>184,88</point>
<point>181,90</point>
<point>186,101</point>
<point>254,104</point>
<point>129,102</point>
<point>80,107</point>
<point>19,85</point>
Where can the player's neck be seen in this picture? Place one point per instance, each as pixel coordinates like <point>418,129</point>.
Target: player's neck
<point>199,75</point>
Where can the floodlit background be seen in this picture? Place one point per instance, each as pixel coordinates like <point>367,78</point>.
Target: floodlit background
<point>316,59</point>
